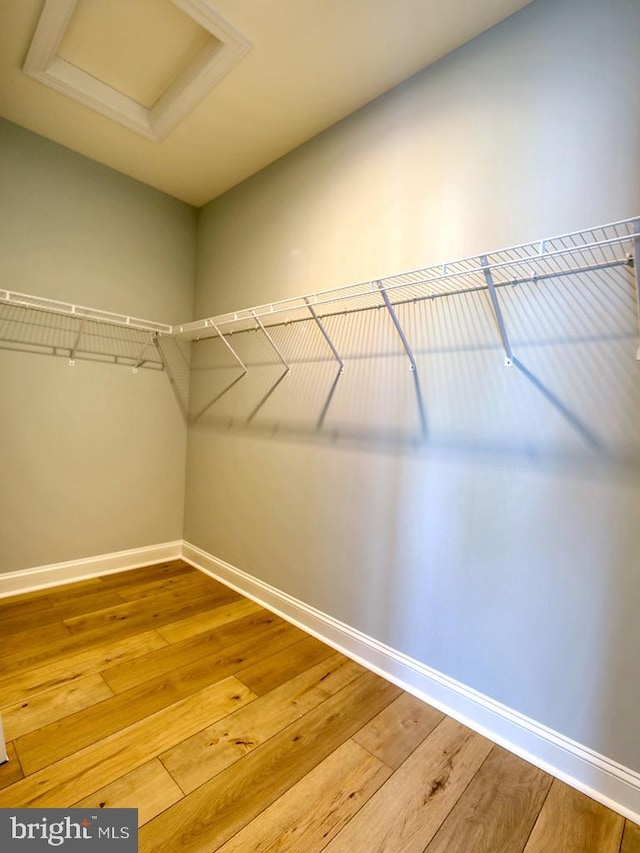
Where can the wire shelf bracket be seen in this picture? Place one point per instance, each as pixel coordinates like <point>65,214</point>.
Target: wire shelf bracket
<point>228,346</point>
<point>325,334</point>
<point>497,311</point>
<point>272,343</point>
<point>412,359</point>
<point>140,360</point>
<point>398,326</point>
<point>74,348</point>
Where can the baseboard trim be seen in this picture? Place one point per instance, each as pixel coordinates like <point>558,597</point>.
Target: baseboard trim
<point>597,776</point>
<point>42,577</point>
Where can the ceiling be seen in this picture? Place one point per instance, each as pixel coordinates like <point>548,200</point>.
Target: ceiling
<point>308,64</point>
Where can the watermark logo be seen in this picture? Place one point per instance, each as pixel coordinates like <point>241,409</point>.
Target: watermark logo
<point>37,830</point>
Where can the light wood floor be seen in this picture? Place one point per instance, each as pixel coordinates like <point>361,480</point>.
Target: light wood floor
<point>231,730</point>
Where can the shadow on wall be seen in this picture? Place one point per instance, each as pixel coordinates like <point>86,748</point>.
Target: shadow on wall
<point>524,588</point>
<point>571,397</point>
<point>37,332</point>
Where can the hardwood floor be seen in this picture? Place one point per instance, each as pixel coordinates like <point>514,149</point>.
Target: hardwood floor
<point>231,730</point>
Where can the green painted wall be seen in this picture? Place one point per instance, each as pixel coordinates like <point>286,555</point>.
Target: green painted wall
<point>504,550</point>
<point>93,456</point>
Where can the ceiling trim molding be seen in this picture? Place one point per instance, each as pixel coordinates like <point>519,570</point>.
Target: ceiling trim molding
<point>190,86</point>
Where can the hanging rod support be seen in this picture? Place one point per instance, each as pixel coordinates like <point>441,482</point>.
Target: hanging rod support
<point>140,360</point>
<point>636,269</point>
<point>72,351</point>
<point>229,347</point>
<point>325,334</point>
<point>272,342</point>
<point>508,361</point>
<point>396,323</point>
<point>412,361</point>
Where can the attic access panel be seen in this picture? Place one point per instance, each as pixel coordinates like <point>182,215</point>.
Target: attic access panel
<point>157,106</point>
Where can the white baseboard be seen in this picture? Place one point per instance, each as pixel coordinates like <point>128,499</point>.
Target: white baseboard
<point>42,577</point>
<point>597,776</point>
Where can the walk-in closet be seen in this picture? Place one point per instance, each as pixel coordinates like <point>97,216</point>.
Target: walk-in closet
<point>320,468</point>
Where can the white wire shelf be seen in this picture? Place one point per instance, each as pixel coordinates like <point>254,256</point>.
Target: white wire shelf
<point>75,337</point>
<point>580,252</point>
<point>584,251</point>
<point>50,327</point>
<point>81,312</point>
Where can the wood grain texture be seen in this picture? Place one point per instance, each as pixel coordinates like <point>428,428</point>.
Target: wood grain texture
<point>57,650</point>
<point>209,620</point>
<point>273,671</point>
<point>57,740</point>
<point>187,580</point>
<point>24,683</point>
<point>23,645</point>
<point>11,770</point>
<point>24,609</point>
<point>399,729</point>
<point>86,605</point>
<point>147,613</point>
<point>233,638</point>
<point>67,593</point>
<point>281,743</point>
<point>25,621</point>
<point>73,587</point>
<point>149,788</point>
<point>95,766</point>
<point>202,756</point>
<point>631,838</point>
<point>148,574</point>
<point>213,813</point>
<point>408,810</point>
<point>569,822</point>
<point>497,811</point>
<point>55,704</point>
<point>342,783</point>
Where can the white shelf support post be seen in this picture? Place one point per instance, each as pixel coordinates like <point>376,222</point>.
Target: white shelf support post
<point>272,342</point>
<point>229,347</point>
<point>325,334</point>
<point>508,360</point>
<point>636,269</point>
<point>399,329</point>
<point>140,359</point>
<point>412,360</point>
<point>73,350</point>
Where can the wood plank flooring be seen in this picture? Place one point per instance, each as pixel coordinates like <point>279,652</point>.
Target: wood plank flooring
<point>231,730</point>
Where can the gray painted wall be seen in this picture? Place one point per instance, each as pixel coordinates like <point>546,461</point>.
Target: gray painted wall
<point>92,456</point>
<point>504,550</point>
